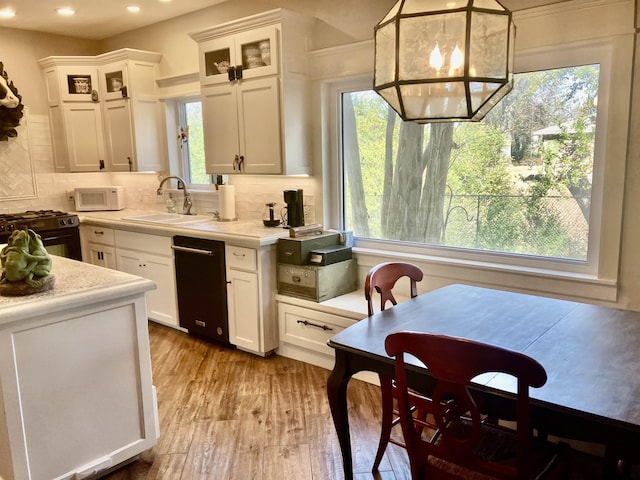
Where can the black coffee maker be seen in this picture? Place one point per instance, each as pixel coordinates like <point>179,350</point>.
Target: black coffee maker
<point>295,208</point>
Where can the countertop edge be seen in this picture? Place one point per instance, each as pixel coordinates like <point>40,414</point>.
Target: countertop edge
<point>207,230</point>
<point>39,305</point>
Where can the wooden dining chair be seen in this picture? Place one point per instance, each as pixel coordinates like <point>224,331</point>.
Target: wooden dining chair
<point>382,278</point>
<point>462,445</point>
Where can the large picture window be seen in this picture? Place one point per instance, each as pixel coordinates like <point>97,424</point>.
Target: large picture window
<point>518,182</point>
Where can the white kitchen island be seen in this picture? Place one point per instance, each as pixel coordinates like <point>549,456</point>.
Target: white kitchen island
<point>75,375</point>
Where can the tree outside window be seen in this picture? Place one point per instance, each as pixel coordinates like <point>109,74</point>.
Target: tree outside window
<point>517,182</point>
<point>192,143</point>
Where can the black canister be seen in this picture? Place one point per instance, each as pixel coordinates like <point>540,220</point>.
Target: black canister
<point>295,208</point>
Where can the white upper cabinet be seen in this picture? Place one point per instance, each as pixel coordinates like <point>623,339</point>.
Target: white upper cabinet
<point>255,94</point>
<point>242,56</point>
<point>125,132</point>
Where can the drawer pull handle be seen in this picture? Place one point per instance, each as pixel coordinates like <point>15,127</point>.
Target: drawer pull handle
<point>98,232</point>
<point>311,324</point>
<point>238,254</point>
<point>200,323</point>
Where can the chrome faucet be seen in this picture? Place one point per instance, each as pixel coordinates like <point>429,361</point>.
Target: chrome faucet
<point>186,207</point>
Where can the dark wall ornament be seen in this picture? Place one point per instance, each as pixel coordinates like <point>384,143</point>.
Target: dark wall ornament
<point>10,107</point>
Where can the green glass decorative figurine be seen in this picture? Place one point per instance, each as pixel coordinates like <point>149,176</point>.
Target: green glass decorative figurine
<point>26,265</point>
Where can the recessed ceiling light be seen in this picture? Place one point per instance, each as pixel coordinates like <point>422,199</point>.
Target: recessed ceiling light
<point>133,8</point>
<point>65,11</point>
<point>7,13</point>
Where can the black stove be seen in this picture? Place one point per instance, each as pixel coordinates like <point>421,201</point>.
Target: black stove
<point>37,220</point>
<point>59,231</point>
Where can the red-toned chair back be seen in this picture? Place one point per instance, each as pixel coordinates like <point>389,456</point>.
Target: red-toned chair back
<point>453,363</point>
<point>383,278</point>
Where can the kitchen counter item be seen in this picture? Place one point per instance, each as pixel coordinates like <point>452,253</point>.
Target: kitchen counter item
<point>227,196</point>
<point>295,207</point>
<point>269,216</point>
<point>297,251</point>
<point>318,283</point>
<point>330,255</point>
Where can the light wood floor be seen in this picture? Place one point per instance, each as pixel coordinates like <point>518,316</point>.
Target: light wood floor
<point>226,414</point>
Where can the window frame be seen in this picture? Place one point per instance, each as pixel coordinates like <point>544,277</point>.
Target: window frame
<point>600,267</point>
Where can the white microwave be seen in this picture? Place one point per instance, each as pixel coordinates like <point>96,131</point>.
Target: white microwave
<point>99,198</point>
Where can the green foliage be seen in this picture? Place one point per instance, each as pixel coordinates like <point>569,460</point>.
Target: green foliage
<point>488,204</point>
<point>195,144</point>
<point>478,165</point>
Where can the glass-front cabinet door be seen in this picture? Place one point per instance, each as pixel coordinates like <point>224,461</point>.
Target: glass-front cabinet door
<point>114,81</point>
<point>242,56</point>
<point>78,84</point>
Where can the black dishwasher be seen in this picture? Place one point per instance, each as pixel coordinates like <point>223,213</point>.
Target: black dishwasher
<point>202,287</point>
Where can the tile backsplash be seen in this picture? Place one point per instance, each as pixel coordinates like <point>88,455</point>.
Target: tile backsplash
<point>52,190</point>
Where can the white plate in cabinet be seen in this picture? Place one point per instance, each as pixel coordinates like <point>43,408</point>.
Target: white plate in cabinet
<point>241,258</point>
<point>310,329</point>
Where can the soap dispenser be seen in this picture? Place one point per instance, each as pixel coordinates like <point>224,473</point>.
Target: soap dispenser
<point>269,215</point>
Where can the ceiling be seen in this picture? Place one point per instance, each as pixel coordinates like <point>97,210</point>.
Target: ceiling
<point>94,19</point>
<point>98,20</point>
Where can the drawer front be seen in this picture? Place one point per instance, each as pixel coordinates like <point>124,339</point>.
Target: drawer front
<point>144,242</point>
<point>309,328</point>
<point>241,258</point>
<point>100,235</point>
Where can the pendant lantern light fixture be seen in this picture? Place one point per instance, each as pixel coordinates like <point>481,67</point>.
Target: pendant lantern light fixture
<point>444,60</point>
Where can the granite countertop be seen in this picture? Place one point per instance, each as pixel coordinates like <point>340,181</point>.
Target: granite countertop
<point>241,232</point>
<point>77,284</point>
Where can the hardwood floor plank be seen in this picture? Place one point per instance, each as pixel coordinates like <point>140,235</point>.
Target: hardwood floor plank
<point>167,467</point>
<point>212,451</point>
<point>248,458</point>
<point>287,462</point>
<point>285,413</point>
<point>326,457</point>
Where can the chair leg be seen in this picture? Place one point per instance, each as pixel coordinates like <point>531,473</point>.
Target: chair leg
<point>387,419</point>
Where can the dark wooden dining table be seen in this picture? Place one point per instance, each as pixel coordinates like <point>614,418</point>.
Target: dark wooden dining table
<point>591,355</point>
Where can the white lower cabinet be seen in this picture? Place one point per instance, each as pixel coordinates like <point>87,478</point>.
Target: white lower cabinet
<point>244,317</point>
<point>98,246</point>
<point>250,272</point>
<point>304,333</point>
<point>150,256</point>
<point>76,396</point>
<point>250,298</point>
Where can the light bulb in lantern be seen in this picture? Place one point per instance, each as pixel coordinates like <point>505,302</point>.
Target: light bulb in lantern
<point>456,61</point>
<point>435,59</point>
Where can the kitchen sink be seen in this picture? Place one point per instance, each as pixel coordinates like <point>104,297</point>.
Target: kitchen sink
<point>167,218</point>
